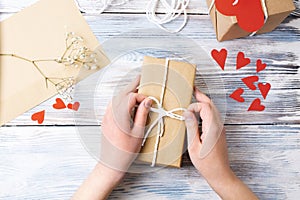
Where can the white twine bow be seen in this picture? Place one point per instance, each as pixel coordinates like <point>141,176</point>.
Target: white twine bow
<point>264,7</point>
<point>173,11</point>
<point>159,121</point>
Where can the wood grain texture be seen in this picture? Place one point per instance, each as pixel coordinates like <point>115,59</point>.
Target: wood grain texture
<point>49,162</point>
<point>282,72</point>
<point>132,6</point>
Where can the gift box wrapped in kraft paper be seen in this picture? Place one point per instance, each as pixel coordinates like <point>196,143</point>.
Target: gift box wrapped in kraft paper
<point>235,19</point>
<point>169,84</point>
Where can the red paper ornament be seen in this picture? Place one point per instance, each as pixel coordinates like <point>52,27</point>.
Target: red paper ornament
<point>250,15</point>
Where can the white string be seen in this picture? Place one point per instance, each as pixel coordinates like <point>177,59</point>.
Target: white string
<point>173,10</point>
<point>211,6</point>
<point>99,6</point>
<point>235,2</point>
<point>159,121</point>
<point>265,9</point>
<point>264,6</point>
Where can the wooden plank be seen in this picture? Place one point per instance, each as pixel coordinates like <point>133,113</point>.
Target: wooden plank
<point>282,106</point>
<point>39,163</point>
<point>50,162</point>
<point>132,6</point>
<point>280,103</point>
<point>283,100</point>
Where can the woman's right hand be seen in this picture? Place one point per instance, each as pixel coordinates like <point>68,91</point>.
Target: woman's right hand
<point>208,150</point>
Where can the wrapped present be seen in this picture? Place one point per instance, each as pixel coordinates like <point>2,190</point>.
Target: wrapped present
<point>170,85</point>
<point>241,18</point>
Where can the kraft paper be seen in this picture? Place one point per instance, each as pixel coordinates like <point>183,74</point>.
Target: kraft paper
<point>179,90</point>
<point>226,27</point>
<point>39,32</point>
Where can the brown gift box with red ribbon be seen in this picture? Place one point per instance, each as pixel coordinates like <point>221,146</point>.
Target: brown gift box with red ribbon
<point>242,18</point>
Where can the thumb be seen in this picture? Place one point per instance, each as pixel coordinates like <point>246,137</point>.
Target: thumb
<point>140,118</point>
<point>193,136</point>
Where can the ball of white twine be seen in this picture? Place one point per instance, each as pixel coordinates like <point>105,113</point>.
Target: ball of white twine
<point>99,6</point>
<point>172,10</point>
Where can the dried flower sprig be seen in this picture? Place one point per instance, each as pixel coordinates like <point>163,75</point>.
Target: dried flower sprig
<point>75,55</point>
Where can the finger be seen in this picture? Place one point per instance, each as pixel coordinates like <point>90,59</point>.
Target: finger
<point>205,112</point>
<point>201,97</point>
<point>132,87</point>
<point>193,136</point>
<point>134,99</point>
<point>204,109</point>
<point>140,118</point>
<point>142,113</point>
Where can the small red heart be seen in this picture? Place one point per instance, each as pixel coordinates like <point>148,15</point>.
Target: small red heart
<point>241,61</point>
<point>220,57</point>
<point>249,81</point>
<point>260,65</point>
<point>264,89</point>
<point>59,104</point>
<point>74,106</point>
<point>236,95</point>
<point>256,106</point>
<point>39,116</point>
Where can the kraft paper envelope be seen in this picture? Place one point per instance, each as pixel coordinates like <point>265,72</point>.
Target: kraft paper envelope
<point>39,32</point>
<point>178,94</point>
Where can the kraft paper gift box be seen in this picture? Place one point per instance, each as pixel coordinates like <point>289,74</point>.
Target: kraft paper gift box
<point>39,32</point>
<point>227,28</point>
<point>178,94</point>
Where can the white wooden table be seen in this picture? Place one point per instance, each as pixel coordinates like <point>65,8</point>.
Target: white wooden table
<point>49,161</point>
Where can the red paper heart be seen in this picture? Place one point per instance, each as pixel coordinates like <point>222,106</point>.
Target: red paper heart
<point>256,106</point>
<point>249,81</point>
<point>241,61</point>
<point>39,116</point>
<point>260,65</point>
<point>74,106</point>
<point>236,95</point>
<point>59,104</point>
<point>220,57</point>
<point>264,89</point>
<point>249,14</point>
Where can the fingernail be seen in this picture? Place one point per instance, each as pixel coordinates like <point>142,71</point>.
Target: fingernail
<point>148,103</point>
